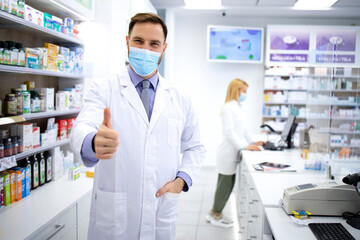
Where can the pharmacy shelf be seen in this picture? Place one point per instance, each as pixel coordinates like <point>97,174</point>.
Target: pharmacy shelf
<point>332,131</point>
<point>332,104</point>
<point>312,75</point>
<point>334,118</point>
<point>42,149</point>
<point>30,116</point>
<point>283,89</point>
<point>339,160</point>
<point>281,117</point>
<point>25,70</point>
<point>344,145</point>
<point>10,21</point>
<point>10,120</point>
<point>285,103</point>
<point>335,90</point>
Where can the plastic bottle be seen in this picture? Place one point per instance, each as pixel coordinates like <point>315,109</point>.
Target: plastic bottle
<point>8,148</point>
<point>1,149</point>
<point>13,53</point>
<point>34,172</point>
<point>34,102</point>
<point>48,165</point>
<point>21,55</point>
<point>1,51</point>
<point>10,105</point>
<point>41,160</point>
<point>19,100</point>
<point>26,96</point>
<point>5,53</point>
<point>20,145</point>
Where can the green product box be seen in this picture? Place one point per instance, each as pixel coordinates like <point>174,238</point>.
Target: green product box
<point>48,22</point>
<point>21,8</point>
<point>6,188</point>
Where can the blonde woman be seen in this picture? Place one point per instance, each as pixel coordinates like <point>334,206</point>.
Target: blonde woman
<point>236,138</point>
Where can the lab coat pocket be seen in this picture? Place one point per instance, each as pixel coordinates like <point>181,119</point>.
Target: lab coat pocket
<point>174,132</point>
<point>167,212</point>
<point>111,212</point>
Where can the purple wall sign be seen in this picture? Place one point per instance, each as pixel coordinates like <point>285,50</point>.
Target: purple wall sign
<point>335,40</point>
<point>289,39</point>
<point>328,58</point>
<point>288,57</point>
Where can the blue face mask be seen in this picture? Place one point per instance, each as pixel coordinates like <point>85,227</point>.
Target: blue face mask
<point>242,97</point>
<point>143,61</point>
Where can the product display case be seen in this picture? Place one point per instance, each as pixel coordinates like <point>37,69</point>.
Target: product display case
<point>14,28</point>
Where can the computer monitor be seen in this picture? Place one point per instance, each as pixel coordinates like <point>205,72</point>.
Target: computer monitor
<point>289,130</point>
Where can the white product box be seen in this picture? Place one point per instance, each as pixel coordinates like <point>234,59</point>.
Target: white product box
<point>49,98</point>
<point>57,166</point>
<point>51,136</point>
<point>60,101</point>
<point>36,137</point>
<point>34,16</point>
<point>25,131</point>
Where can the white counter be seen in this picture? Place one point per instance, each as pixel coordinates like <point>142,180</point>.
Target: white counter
<point>19,220</point>
<point>261,192</point>
<point>284,228</point>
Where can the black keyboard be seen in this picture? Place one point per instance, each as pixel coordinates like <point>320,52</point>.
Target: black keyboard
<point>325,231</point>
<point>270,146</point>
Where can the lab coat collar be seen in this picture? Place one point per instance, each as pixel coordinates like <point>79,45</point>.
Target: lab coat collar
<point>162,97</point>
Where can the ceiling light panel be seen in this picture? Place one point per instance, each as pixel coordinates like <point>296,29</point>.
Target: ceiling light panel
<point>238,3</point>
<point>276,3</point>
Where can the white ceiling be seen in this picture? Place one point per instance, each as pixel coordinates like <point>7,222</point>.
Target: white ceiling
<point>343,8</point>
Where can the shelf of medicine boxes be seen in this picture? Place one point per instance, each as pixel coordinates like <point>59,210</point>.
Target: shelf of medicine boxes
<point>312,75</point>
<point>281,117</point>
<point>42,148</point>
<point>30,116</point>
<point>9,21</point>
<point>25,70</point>
<point>285,103</point>
<point>9,162</point>
<point>284,89</point>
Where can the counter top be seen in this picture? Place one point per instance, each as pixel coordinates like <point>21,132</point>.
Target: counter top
<point>283,227</point>
<point>20,219</point>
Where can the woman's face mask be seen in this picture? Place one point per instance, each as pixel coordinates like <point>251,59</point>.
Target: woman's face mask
<point>242,97</point>
<point>143,61</point>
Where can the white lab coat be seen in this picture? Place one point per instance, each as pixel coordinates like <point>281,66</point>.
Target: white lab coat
<point>124,205</point>
<point>235,137</point>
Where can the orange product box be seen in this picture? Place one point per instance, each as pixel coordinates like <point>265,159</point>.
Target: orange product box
<point>53,50</point>
<point>18,190</point>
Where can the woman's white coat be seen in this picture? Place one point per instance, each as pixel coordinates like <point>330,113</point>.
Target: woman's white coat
<point>235,137</point>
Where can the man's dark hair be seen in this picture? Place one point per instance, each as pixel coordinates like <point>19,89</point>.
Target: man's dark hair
<point>145,18</point>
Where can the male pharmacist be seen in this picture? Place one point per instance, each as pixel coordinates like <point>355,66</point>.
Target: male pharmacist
<point>133,127</point>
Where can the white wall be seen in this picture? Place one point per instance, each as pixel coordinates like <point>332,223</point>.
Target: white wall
<point>207,82</point>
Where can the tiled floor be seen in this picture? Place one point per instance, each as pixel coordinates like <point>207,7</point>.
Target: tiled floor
<point>196,203</point>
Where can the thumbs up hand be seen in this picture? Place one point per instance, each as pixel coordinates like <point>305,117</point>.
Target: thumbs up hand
<point>106,138</point>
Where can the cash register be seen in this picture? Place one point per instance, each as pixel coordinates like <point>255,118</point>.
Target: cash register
<point>327,199</point>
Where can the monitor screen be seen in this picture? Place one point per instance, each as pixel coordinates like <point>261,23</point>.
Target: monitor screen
<point>235,44</point>
<point>288,127</point>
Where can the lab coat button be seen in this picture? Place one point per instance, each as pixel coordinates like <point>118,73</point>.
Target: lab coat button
<point>148,202</point>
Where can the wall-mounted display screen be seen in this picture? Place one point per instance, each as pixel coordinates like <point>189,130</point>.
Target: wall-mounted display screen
<point>235,44</point>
